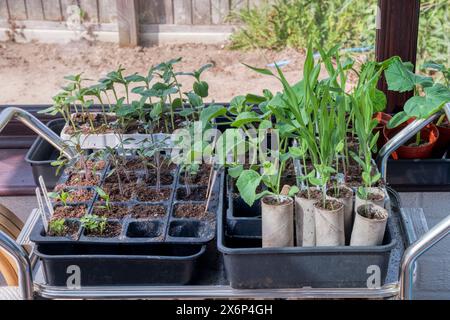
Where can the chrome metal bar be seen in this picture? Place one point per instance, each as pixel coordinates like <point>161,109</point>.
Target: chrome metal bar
<point>400,138</point>
<point>23,263</point>
<point>429,239</point>
<point>447,111</point>
<point>199,292</point>
<point>37,126</point>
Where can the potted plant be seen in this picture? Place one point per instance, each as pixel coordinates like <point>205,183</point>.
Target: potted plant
<point>429,98</point>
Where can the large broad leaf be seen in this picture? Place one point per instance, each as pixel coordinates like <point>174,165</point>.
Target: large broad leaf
<point>400,77</point>
<point>244,118</point>
<point>247,183</point>
<point>201,88</point>
<point>422,107</point>
<point>211,112</point>
<point>379,100</point>
<point>398,119</point>
<point>194,99</point>
<point>236,170</point>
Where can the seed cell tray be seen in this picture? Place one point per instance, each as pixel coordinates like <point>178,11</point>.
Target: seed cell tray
<point>412,175</point>
<point>249,266</point>
<point>132,228</point>
<point>42,154</point>
<point>115,264</point>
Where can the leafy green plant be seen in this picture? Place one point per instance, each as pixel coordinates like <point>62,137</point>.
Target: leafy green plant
<point>94,223</point>
<point>429,98</point>
<point>105,196</point>
<point>60,196</point>
<point>57,227</point>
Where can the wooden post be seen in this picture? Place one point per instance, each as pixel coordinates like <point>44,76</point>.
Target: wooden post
<point>127,20</point>
<point>397,36</point>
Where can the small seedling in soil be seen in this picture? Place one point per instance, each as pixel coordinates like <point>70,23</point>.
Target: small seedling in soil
<point>113,212</point>
<point>61,196</point>
<point>62,227</point>
<point>103,195</point>
<point>57,227</point>
<point>146,194</point>
<point>94,224</point>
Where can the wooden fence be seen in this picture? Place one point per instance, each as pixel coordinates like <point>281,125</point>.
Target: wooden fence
<point>126,21</point>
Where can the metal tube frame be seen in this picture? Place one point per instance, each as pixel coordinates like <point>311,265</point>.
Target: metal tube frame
<point>37,126</point>
<point>422,245</point>
<point>23,262</point>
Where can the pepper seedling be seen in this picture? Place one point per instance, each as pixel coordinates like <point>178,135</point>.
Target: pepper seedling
<point>94,223</point>
<point>105,196</point>
<point>57,226</point>
<point>62,196</point>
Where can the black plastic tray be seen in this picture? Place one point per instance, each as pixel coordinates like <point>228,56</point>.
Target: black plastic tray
<point>42,154</point>
<point>249,266</point>
<point>412,175</point>
<point>119,264</point>
<point>168,229</point>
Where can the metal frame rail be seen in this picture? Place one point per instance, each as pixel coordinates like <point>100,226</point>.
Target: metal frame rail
<point>403,288</point>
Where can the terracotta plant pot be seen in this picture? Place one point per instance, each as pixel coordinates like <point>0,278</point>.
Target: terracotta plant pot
<point>430,134</point>
<point>277,222</point>
<point>383,119</point>
<point>443,143</point>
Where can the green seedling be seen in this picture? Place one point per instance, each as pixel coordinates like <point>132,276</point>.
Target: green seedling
<point>62,196</point>
<point>103,195</point>
<point>94,223</point>
<point>57,226</point>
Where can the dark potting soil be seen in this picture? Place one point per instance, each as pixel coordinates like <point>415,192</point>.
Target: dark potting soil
<point>375,197</point>
<point>313,194</point>
<point>196,194</point>
<point>81,181</point>
<point>146,194</point>
<point>191,210</point>
<point>70,230</point>
<point>69,212</point>
<point>112,230</point>
<point>116,212</point>
<point>201,177</point>
<point>414,143</point>
<point>125,177</point>
<point>166,178</point>
<point>290,180</point>
<point>339,192</point>
<point>330,204</point>
<point>371,212</point>
<point>91,165</point>
<point>275,201</point>
<point>113,190</point>
<point>80,195</point>
<point>134,164</point>
<point>143,211</point>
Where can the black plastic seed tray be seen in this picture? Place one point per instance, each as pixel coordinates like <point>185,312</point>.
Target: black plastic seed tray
<point>119,264</point>
<point>249,266</point>
<point>134,228</point>
<point>412,175</point>
<point>42,154</point>
<point>242,220</point>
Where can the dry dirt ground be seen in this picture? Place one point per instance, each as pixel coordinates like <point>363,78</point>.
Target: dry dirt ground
<point>32,73</point>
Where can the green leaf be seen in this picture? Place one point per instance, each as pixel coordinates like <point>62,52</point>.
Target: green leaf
<point>186,112</point>
<point>244,118</point>
<point>211,112</point>
<point>260,70</point>
<point>135,78</point>
<point>235,171</point>
<point>201,88</point>
<point>293,191</point>
<point>194,99</point>
<point>397,119</point>
<point>401,78</point>
<point>247,183</point>
<point>156,111</point>
<point>177,103</point>
<point>254,99</point>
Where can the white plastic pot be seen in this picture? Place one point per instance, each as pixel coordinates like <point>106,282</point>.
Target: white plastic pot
<point>277,223</point>
<point>329,225</point>
<point>369,232</point>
